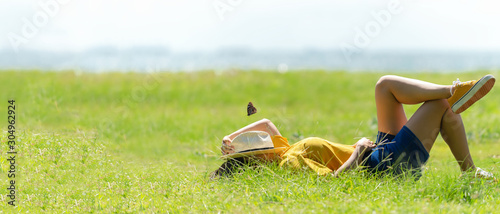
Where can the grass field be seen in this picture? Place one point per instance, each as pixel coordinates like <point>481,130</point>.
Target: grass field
<point>145,142</point>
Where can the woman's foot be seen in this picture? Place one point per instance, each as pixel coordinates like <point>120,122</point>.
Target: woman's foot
<point>479,173</point>
<point>467,93</point>
<point>484,175</point>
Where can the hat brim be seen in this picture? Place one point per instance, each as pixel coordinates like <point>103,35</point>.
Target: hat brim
<point>277,151</point>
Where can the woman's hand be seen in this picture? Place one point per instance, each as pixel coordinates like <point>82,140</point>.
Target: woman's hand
<point>365,143</point>
<point>226,147</point>
<point>356,158</point>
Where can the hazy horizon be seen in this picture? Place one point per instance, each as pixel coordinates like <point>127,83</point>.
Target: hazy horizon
<point>354,28</point>
<point>193,26</point>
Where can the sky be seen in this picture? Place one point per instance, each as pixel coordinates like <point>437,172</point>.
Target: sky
<point>210,25</point>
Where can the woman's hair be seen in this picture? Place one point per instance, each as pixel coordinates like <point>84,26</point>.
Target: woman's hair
<point>233,165</point>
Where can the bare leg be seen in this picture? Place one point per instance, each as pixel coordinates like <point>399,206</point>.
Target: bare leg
<point>393,91</point>
<point>426,122</point>
<point>433,117</point>
<point>453,133</point>
<point>412,91</point>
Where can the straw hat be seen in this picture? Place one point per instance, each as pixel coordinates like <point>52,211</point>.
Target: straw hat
<point>255,143</point>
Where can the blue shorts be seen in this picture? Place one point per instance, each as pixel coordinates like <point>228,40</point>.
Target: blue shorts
<point>403,152</point>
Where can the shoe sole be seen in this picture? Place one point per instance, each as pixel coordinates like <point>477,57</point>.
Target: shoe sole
<point>478,90</point>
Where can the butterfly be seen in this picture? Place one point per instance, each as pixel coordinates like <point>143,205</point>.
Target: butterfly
<point>251,109</point>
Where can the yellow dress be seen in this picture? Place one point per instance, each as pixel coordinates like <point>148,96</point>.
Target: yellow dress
<point>315,153</point>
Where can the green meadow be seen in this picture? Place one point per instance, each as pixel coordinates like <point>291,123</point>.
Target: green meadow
<point>145,143</point>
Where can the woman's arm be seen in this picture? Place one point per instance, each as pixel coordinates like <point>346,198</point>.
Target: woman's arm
<point>357,156</point>
<point>261,125</point>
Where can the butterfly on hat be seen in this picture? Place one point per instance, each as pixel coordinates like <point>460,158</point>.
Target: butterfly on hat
<point>251,109</point>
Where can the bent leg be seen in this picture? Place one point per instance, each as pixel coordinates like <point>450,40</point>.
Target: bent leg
<point>412,91</point>
<point>432,118</point>
<point>435,117</point>
<point>453,133</point>
<point>391,115</point>
<point>426,122</point>
<point>393,91</point>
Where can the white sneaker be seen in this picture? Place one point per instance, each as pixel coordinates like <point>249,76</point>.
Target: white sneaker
<point>484,175</point>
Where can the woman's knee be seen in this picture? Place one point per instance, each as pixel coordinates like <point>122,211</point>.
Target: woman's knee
<point>386,80</point>
<point>385,83</point>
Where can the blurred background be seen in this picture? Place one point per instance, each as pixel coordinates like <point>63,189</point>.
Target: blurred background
<point>352,35</point>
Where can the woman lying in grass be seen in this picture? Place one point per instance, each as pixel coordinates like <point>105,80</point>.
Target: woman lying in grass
<point>402,145</point>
